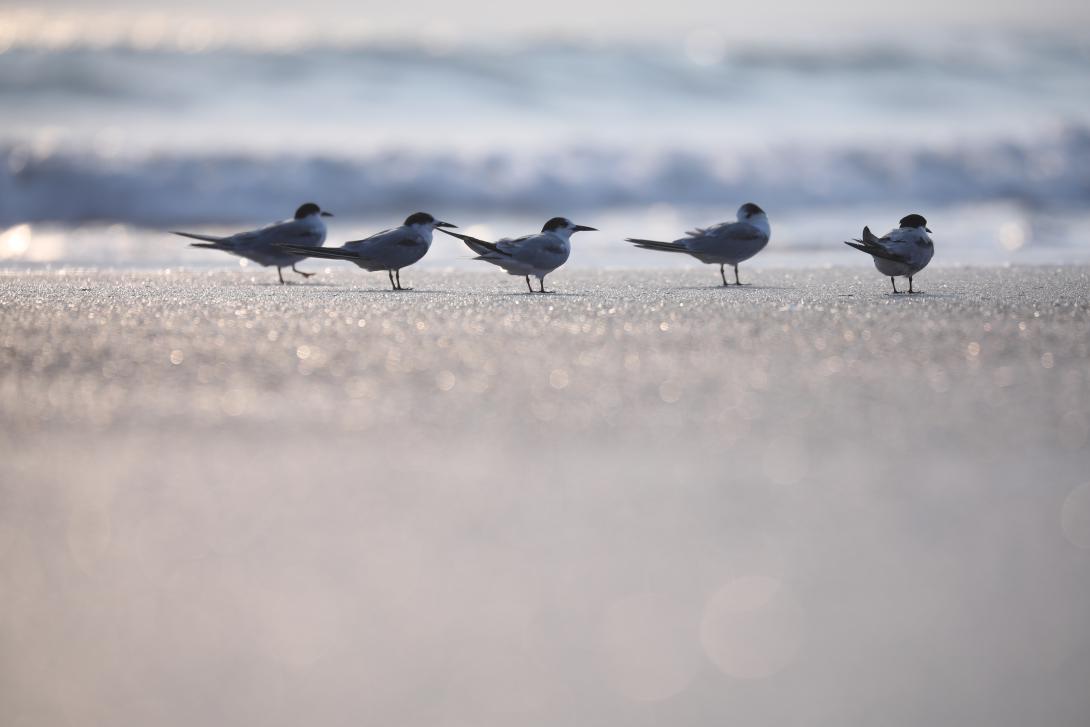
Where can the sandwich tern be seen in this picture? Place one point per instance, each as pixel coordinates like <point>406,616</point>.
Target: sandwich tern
<point>538,254</point>
<point>728,243</point>
<point>901,252</point>
<point>263,246</point>
<point>389,250</point>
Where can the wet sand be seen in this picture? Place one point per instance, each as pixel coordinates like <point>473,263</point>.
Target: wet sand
<point>643,499</point>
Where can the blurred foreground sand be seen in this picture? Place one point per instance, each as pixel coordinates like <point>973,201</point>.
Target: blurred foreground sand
<point>643,500</point>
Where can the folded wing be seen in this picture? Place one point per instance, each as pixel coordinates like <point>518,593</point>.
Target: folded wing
<point>877,246</point>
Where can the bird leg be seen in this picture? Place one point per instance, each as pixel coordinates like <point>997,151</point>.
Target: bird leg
<point>910,290</point>
<point>528,284</point>
<point>723,275</point>
<point>398,274</point>
<point>541,282</point>
<point>305,275</point>
<point>393,286</point>
<point>894,281</point>
<point>280,272</point>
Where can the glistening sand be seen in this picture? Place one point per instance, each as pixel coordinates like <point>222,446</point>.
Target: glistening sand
<point>642,500</point>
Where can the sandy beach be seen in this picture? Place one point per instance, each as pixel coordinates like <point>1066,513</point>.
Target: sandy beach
<point>644,499</point>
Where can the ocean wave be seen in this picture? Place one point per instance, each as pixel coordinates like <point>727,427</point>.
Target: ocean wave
<point>66,186</point>
<point>120,69</point>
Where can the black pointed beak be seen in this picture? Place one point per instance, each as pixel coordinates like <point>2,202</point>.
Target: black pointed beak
<point>445,224</point>
<point>927,229</point>
<point>326,214</point>
<point>584,228</point>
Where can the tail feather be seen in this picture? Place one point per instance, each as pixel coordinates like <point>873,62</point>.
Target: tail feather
<point>872,248</point>
<point>656,245</point>
<point>482,247</point>
<point>198,236</point>
<point>328,253</point>
<point>857,244</point>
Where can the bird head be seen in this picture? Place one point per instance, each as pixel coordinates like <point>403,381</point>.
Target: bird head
<point>748,211</point>
<point>423,219</point>
<point>308,209</point>
<point>564,227</point>
<point>914,221</point>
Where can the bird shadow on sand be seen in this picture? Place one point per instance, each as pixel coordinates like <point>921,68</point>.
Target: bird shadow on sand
<point>386,291</point>
<point>918,295</point>
<point>527,295</point>
<point>295,284</point>
<point>743,287</point>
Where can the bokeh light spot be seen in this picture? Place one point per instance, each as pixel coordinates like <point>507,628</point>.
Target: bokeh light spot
<point>1075,516</point>
<point>752,628</point>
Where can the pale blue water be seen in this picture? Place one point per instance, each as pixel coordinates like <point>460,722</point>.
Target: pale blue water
<point>988,136</point>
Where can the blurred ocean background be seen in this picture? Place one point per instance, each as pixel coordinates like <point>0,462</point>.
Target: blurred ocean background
<point>115,128</point>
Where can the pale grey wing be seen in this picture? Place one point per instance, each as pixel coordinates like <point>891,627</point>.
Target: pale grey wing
<point>709,230</point>
<point>375,243</point>
<point>542,252</point>
<point>291,232</point>
<point>900,244</point>
<point>394,249</point>
<point>877,247</point>
<point>513,245</point>
<point>734,238</point>
<point>900,248</point>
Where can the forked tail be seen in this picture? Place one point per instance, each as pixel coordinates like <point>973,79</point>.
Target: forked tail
<point>871,244</point>
<point>328,253</point>
<point>483,248</point>
<point>656,245</point>
<point>211,241</point>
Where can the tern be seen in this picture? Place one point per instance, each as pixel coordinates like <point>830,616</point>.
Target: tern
<point>389,250</point>
<point>902,252</point>
<point>728,243</point>
<point>263,246</point>
<point>538,254</point>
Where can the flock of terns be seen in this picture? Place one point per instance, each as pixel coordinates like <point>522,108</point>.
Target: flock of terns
<point>902,252</point>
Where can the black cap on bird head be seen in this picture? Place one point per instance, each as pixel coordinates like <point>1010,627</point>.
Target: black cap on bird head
<point>419,218</point>
<point>914,221</point>
<point>556,223</point>
<point>749,209</point>
<point>308,209</point>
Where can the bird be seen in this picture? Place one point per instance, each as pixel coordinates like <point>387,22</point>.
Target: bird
<point>306,230</point>
<point>728,243</point>
<point>389,250</point>
<point>901,252</point>
<point>537,254</point>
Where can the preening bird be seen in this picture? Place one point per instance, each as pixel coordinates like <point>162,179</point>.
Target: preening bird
<point>537,255</point>
<point>728,243</point>
<point>389,250</point>
<point>265,246</point>
<point>901,252</point>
